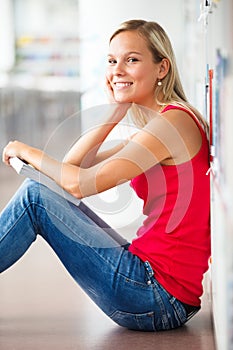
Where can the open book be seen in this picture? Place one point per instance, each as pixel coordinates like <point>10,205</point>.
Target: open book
<point>27,170</point>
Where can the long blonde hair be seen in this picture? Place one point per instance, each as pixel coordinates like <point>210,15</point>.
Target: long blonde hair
<point>160,46</point>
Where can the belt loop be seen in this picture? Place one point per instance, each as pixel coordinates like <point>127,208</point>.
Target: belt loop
<point>149,271</point>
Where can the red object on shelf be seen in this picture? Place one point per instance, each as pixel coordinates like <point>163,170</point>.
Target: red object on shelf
<point>211,75</point>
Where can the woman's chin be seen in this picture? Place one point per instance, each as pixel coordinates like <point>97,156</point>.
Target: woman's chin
<point>120,99</point>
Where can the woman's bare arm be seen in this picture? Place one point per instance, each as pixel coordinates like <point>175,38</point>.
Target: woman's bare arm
<point>84,152</point>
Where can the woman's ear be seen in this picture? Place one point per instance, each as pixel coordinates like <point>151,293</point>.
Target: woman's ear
<point>164,68</point>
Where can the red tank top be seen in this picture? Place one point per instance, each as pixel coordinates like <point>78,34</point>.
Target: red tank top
<point>175,236</point>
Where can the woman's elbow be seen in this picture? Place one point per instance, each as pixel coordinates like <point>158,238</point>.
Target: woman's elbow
<point>74,190</point>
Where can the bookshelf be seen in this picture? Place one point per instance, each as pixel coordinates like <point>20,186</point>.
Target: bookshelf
<point>46,38</point>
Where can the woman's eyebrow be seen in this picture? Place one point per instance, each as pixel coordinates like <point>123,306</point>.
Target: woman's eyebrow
<point>128,53</point>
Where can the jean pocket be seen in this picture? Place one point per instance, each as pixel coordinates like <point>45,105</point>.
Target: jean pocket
<point>140,322</point>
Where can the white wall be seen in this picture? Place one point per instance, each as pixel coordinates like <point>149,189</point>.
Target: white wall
<point>220,37</point>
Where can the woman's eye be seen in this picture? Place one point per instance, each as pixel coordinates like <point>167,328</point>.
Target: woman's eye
<point>132,59</point>
<point>111,61</point>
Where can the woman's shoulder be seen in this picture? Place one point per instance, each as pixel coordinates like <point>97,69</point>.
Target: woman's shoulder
<point>187,127</point>
<point>182,116</point>
<point>176,109</point>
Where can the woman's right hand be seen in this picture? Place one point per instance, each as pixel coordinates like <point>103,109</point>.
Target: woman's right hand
<point>109,91</point>
<point>120,109</point>
<point>14,149</point>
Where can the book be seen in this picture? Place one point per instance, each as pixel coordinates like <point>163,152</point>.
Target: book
<point>27,170</point>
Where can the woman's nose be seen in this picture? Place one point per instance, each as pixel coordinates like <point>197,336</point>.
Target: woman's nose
<point>119,68</point>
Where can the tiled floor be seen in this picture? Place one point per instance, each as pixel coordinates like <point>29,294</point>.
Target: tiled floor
<point>42,308</point>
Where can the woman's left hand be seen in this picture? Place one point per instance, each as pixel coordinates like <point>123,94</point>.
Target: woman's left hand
<point>14,149</point>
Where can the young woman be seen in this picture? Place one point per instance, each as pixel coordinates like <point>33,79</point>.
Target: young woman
<point>154,282</point>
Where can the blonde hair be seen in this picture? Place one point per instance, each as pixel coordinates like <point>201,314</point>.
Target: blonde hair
<point>171,90</point>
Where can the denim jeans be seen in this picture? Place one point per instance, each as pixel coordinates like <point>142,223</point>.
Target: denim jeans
<point>122,285</point>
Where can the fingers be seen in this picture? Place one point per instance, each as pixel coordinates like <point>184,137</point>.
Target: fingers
<point>109,91</point>
<point>5,153</point>
<point>12,149</point>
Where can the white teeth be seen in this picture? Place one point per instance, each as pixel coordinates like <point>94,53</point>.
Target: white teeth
<point>122,84</point>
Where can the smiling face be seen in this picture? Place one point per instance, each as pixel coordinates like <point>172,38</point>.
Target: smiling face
<point>132,72</point>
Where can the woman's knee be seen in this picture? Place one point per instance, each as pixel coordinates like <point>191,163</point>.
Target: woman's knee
<point>29,193</point>
<point>29,188</point>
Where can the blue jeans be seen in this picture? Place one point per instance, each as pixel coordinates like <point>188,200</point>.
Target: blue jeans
<point>122,285</point>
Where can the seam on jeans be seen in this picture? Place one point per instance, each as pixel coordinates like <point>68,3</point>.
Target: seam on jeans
<point>160,302</point>
<point>136,283</point>
<point>179,309</point>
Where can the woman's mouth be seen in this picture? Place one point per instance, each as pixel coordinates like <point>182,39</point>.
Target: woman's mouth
<point>122,85</point>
